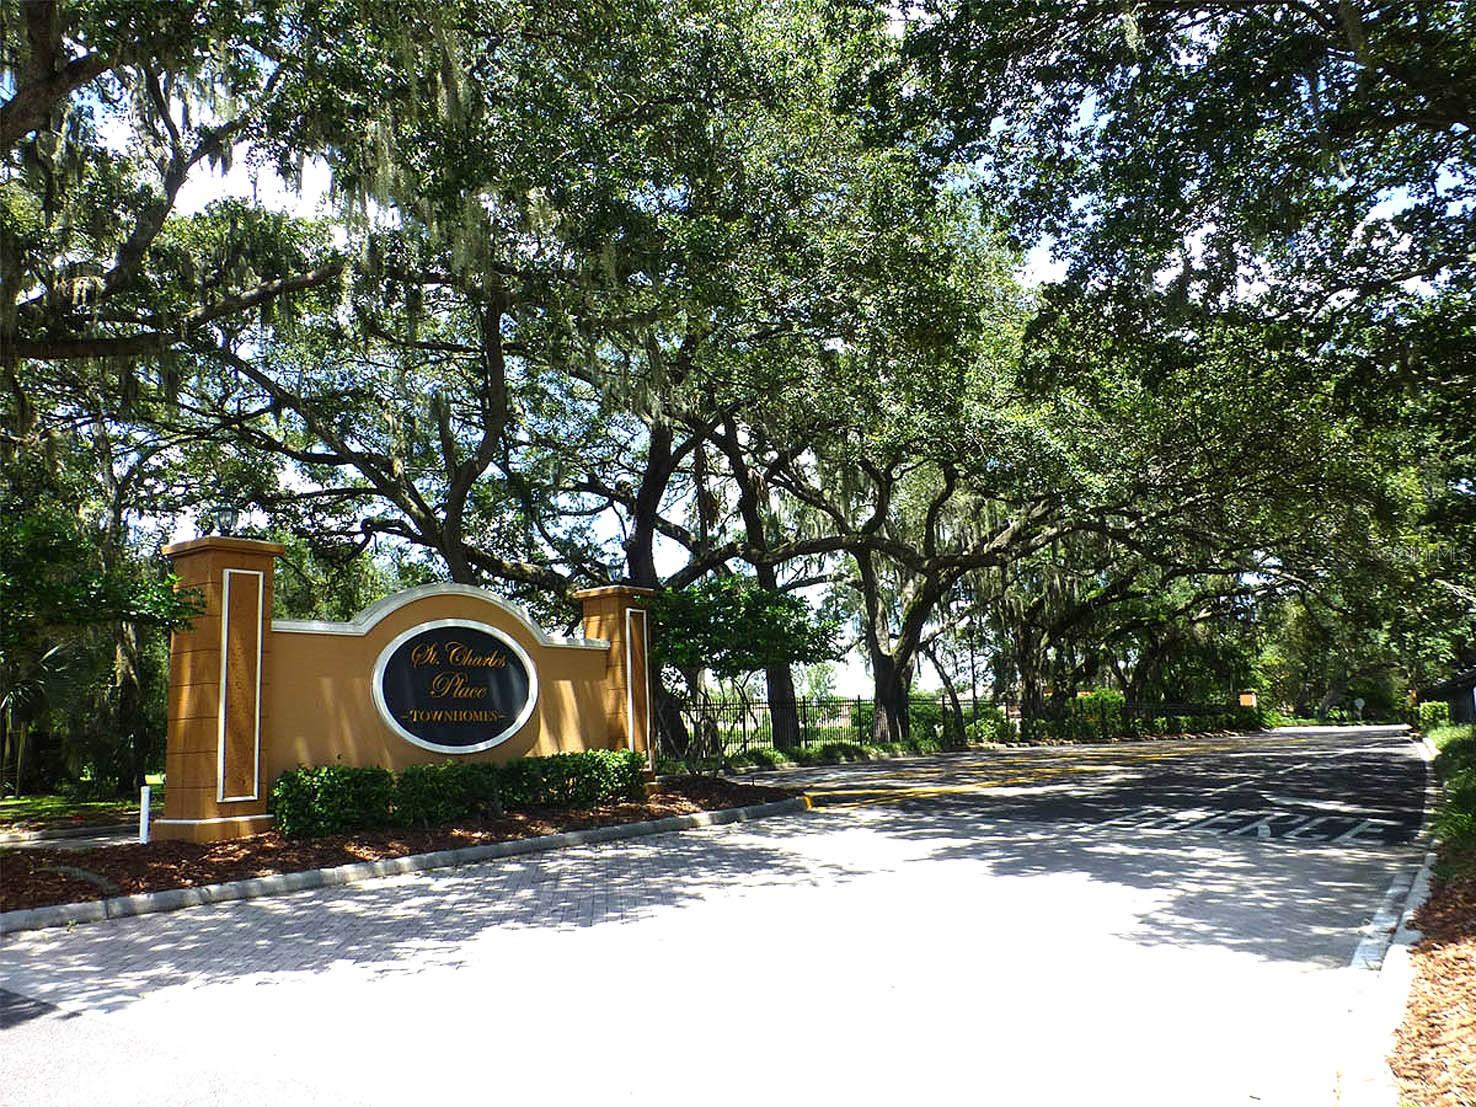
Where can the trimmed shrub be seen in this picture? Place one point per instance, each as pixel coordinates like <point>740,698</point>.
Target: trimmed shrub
<point>573,779</point>
<point>331,799</point>
<point>1249,718</point>
<point>924,720</point>
<point>442,792</point>
<point>1454,822</point>
<point>1097,716</point>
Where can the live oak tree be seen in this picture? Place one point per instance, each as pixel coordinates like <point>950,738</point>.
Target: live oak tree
<point>637,291</point>
<point>1301,171</point>
<point>113,108</point>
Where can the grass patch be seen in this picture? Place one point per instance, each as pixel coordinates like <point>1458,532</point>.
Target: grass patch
<point>52,810</point>
<point>1455,816</point>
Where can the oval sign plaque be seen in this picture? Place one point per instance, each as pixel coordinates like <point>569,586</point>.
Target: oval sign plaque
<point>455,686</point>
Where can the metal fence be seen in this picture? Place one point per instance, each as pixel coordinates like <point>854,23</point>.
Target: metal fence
<point>731,726</point>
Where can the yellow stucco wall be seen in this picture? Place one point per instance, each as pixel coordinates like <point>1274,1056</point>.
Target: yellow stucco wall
<point>322,708</point>
<point>235,724</point>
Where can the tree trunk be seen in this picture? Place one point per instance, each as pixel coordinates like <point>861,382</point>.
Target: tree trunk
<point>956,737</point>
<point>18,735</point>
<point>889,722</point>
<point>1333,695</point>
<point>783,710</point>
<point>778,679</point>
<point>130,709</point>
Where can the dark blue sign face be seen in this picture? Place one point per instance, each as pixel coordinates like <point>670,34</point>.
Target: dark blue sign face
<point>454,687</point>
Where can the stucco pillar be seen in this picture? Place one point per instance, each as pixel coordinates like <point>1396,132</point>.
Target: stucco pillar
<point>618,615</point>
<point>215,761</point>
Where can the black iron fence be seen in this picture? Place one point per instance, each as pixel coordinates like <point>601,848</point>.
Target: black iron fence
<point>732,726</point>
<point>726,726</point>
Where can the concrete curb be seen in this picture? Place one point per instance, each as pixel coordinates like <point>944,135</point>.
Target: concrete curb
<point>66,914</point>
<point>14,837</point>
<point>1365,1080</point>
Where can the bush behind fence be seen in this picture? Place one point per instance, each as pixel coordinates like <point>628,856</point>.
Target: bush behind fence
<point>734,727</point>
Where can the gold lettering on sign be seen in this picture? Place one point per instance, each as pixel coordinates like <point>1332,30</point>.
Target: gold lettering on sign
<point>426,653</point>
<point>456,685</point>
<point>444,715</point>
<point>466,657</point>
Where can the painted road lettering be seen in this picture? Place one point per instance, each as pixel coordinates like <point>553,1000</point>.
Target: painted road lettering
<point>1265,825</point>
<point>1261,828</point>
<point>1364,832</point>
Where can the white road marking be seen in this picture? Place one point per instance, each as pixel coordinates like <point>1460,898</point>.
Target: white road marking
<point>1204,824</point>
<point>1301,831</point>
<point>1262,826</point>
<point>1366,824</point>
<point>1317,804</point>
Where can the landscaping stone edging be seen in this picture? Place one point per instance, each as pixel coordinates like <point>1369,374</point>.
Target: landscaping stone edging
<point>172,899</point>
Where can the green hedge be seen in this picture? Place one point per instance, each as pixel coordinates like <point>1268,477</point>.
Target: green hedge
<point>334,799</point>
<point>1454,822</point>
<point>331,799</point>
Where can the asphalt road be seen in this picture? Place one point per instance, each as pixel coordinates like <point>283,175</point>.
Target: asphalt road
<point>1014,927</point>
<point>1358,787</point>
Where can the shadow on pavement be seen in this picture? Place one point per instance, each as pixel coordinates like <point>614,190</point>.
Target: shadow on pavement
<point>1270,900</point>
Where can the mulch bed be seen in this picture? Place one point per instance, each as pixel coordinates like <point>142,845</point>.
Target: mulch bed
<point>1435,1050</point>
<point>38,877</point>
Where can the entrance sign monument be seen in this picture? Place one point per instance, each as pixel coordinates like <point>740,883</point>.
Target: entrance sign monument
<point>437,672</point>
<point>455,686</point>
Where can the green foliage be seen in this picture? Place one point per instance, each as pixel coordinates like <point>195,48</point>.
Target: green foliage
<point>445,791</point>
<point>1454,822</point>
<point>331,799</point>
<point>84,613</point>
<point>732,625</point>
<point>991,726</point>
<point>1433,714</point>
<point>760,757</point>
<point>926,719</point>
<point>1252,718</point>
<point>334,799</point>
<point>51,577</point>
<point>573,779</point>
<point>1098,715</point>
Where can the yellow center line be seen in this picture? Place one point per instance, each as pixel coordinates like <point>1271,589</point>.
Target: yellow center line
<point>898,795</point>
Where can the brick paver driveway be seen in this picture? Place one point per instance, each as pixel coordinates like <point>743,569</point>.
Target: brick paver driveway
<point>960,947</point>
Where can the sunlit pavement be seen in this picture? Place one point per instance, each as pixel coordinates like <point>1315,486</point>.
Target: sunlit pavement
<point>1015,928</point>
